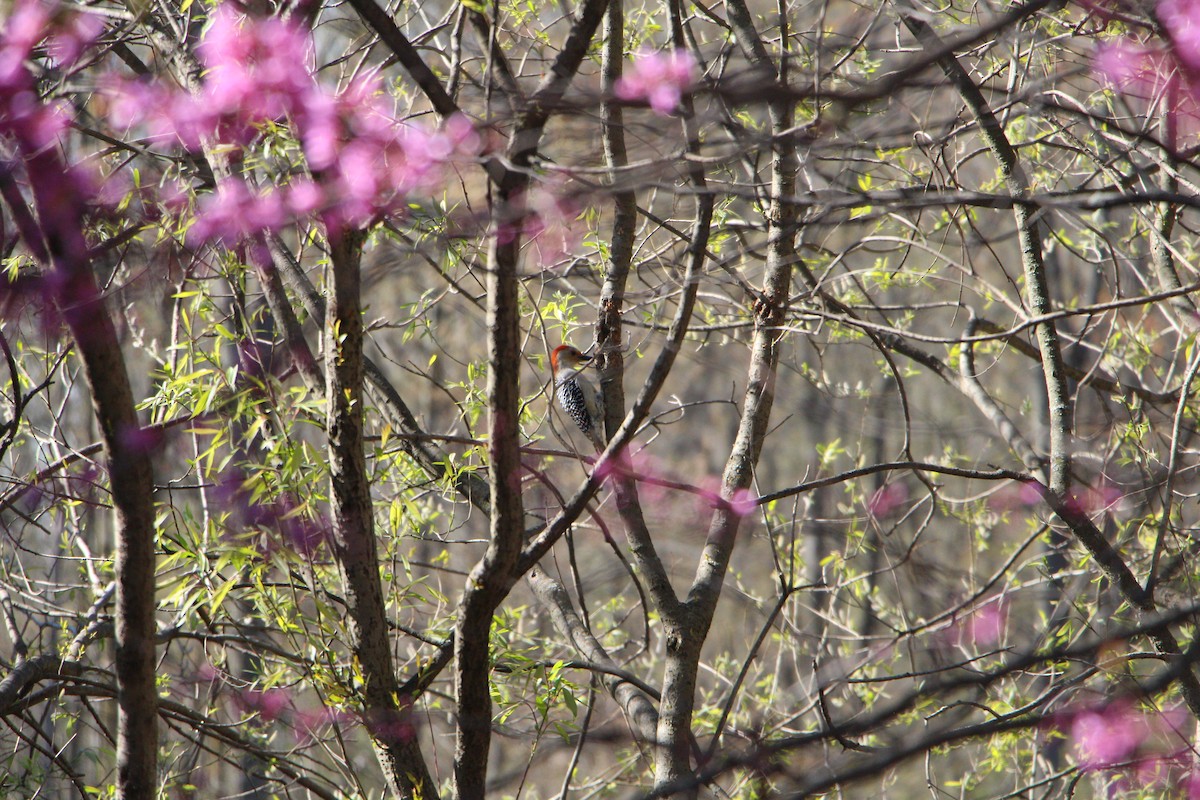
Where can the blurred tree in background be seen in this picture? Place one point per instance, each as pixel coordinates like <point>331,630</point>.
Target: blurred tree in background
<point>892,305</point>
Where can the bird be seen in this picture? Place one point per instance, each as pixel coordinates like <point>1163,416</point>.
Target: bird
<point>578,397</point>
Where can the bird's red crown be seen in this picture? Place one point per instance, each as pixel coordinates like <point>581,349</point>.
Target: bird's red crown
<point>567,357</point>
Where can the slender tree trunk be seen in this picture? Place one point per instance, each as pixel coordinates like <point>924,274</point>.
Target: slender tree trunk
<point>685,639</point>
<point>389,718</point>
<point>492,577</point>
<point>127,452</point>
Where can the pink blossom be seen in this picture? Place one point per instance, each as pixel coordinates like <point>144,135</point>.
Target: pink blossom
<point>393,726</point>
<point>366,162</point>
<point>258,69</point>
<point>640,466</point>
<point>269,704</point>
<point>254,71</point>
<point>358,186</point>
<point>308,724</point>
<point>302,535</point>
<point>186,117</point>
<point>1102,497</point>
<point>658,78</point>
<point>321,132</point>
<point>741,502</point>
<point>110,190</point>
<point>141,440</point>
<point>370,160</point>
<point>26,26</point>
<point>1181,19</point>
<point>207,673</point>
<point>1168,75</point>
<point>1158,771</point>
<point>552,221</point>
<point>1106,737</point>
<point>173,195</point>
<point>985,625</point>
<point>303,197</point>
<point>1121,63</point>
<point>235,211</point>
<point>166,115</point>
<point>886,499</point>
<point>463,136</point>
<point>35,123</point>
<point>68,42</point>
<point>130,102</point>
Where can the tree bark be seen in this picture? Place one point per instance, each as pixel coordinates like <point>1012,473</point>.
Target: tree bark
<point>127,448</point>
<point>494,575</point>
<point>685,641</point>
<point>388,717</point>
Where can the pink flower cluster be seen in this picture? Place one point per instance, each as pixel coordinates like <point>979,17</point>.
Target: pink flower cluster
<point>1142,750</point>
<point>365,162</point>
<point>659,79</point>
<point>709,492</point>
<point>984,626</point>
<point>252,73</point>
<point>274,524</point>
<point>24,118</point>
<point>57,201</point>
<point>887,499</point>
<point>1170,72</point>
<point>1101,497</point>
<point>278,705</point>
<point>548,217</point>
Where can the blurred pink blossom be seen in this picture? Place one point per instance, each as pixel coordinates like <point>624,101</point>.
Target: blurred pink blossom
<point>1144,750</point>
<point>1166,74</point>
<point>269,704</point>
<point>59,194</point>
<point>985,625</point>
<point>552,223</point>
<point>640,466</point>
<point>1106,737</point>
<point>1090,500</point>
<point>255,71</point>
<point>1191,786</point>
<point>234,210</point>
<point>741,503</point>
<point>303,197</point>
<point>366,162</point>
<point>68,41</point>
<point>27,24</point>
<point>1181,19</point>
<point>207,673</point>
<point>1159,771</point>
<point>1100,497</point>
<point>655,484</point>
<point>173,195</point>
<point>139,439</point>
<point>886,499</point>
<point>32,123</point>
<point>369,160</point>
<point>394,730</point>
<point>309,724</point>
<point>254,68</point>
<point>1122,63</point>
<point>659,79</point>
<point>275,523</point>
<point>37,124</point>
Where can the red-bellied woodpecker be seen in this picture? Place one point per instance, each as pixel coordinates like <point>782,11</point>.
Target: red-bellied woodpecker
<point>578,396</point>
